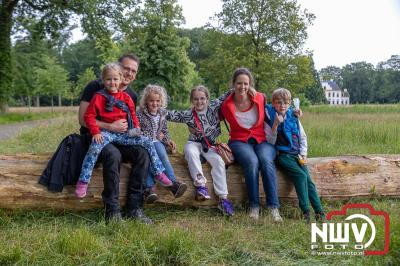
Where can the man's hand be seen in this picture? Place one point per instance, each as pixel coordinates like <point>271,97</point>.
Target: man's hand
<point>119,126</point>
<point>98,138</point>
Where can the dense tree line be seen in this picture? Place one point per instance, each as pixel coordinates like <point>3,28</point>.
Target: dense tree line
<point>40,65</point>
<point>366,83</point>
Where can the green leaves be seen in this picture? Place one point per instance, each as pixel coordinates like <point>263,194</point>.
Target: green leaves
<point>51,79</point>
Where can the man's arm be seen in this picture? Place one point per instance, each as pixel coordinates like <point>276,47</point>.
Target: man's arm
<point>119,126</point>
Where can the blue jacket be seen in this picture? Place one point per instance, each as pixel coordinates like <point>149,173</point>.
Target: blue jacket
<point>290,133</point>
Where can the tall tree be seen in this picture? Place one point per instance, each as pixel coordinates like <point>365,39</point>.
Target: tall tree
<point>162,52</point>
<point>78,57</point>
<point>314,93</point>
<point>358,79</point>
<point>273,28</point>
<point>332,73</point>
<point>51,79</point>
<point>392,63</point>
<point>53,15</point>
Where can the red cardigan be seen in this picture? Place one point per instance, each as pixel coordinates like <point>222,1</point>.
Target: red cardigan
<point>237,131</point>
<point>97,110</point>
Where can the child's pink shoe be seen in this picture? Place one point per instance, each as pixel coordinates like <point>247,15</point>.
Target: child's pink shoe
<point>163,180</point>
<point>81,188</point>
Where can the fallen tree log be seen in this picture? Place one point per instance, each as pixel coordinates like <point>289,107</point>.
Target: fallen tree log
<point>335,177</point>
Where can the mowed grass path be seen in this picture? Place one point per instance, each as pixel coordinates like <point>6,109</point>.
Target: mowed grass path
<point>199,236</point>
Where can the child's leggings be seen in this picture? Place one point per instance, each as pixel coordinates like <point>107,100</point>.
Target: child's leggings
<point>156,166</point>
<point>193,150</point>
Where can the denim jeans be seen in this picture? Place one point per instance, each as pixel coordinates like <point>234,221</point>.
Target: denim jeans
<point>169,171</point>
<point>254,157</point>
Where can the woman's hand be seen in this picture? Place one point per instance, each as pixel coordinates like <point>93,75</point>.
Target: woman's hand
<point>98,138</point>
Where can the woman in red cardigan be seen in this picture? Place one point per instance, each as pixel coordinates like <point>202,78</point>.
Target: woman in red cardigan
<point>245,115</point>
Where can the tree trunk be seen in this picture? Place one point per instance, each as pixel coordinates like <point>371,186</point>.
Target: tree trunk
<point>59,100</point>
<point>29,103</point>
<point>6,12</point>
<point>342,177</point>
<point>38,101</point>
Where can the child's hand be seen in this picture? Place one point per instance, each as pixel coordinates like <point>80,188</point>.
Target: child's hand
<point>134,132</point>
<point>98,138</point>
<point>252,92</point>
<point>302,159</point>
<point>298,113</point>
<point>161,136</point>
<point>194,131</point>
<point>172,145</point>
<point>279,118</point>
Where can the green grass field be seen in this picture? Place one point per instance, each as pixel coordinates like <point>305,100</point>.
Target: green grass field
<point>200,236</point>
<point>10,118</point>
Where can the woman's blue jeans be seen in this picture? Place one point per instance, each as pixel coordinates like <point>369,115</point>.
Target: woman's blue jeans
<point>254,158</point>
<point>169,171</point>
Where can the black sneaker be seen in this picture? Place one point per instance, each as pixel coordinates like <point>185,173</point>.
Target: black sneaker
<point>138,214</point>
<point>178,189</point>
<point>320,217</point>
<point>112,216</point>
<point>150,196</point>
<point>306,217</point>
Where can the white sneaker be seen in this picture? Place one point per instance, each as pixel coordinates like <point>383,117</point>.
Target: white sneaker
<point>276,216</point>
<point>254,212</point>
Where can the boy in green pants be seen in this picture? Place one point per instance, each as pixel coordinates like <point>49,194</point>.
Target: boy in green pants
<point>284,130</point>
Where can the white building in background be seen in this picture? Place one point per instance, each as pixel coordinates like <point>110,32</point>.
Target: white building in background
<point>335,95</point>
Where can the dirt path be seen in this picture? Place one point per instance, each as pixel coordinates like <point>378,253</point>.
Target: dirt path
<point>13,130</point>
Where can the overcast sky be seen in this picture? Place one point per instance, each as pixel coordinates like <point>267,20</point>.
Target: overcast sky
<point>344,31</point>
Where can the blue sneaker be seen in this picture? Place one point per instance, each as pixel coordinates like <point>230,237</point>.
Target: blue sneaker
<point>226,207</point>
<point>202,194</point>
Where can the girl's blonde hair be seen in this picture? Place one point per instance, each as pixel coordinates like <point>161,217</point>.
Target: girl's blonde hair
<point>156,90</point>
<point>199,88</point>
<point>282,94</point>
<point>111,66</point>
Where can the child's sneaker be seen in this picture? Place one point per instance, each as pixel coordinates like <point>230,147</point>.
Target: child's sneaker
<point>178,188</point>
<point>276,217</point>
<point>320,217</point>
<point>254,212</point>
<point>202,194</point>
<point>226,207</point>
<point>163,180</point>
<point>81,189</point>
<point>306,217</point>
<point>150,195</point>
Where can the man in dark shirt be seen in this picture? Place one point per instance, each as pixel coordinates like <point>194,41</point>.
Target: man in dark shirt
<point>112,155</point>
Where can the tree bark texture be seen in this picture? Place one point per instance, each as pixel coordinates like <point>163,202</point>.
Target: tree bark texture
<point>6,12</point>
<point>341,177</point>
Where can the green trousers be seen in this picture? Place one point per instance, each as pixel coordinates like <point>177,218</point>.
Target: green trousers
<point>299,175</point>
